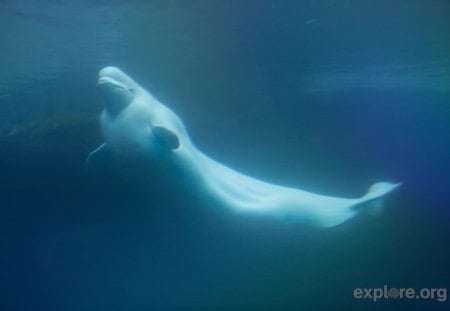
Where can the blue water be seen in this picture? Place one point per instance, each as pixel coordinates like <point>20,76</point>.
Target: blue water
<point>328,96</point>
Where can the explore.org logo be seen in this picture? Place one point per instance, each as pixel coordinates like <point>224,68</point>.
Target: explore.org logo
<point>385,292</point>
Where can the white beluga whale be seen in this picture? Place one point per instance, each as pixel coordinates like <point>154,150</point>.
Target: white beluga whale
<point>133,123</point>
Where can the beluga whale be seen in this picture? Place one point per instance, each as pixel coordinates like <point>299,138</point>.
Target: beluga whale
<point>135,124</point>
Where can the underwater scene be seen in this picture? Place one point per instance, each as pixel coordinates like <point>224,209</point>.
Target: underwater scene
<point>224,155</point>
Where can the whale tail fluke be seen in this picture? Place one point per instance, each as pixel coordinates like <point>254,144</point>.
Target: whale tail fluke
<point>380,189</point>
<point>372,201</point>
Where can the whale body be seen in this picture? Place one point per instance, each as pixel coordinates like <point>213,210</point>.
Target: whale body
<point>134,123</point>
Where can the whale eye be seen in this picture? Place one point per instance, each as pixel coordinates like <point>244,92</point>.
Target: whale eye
<point>131,89</point>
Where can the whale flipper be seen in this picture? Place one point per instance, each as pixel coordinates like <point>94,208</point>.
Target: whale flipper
<point>98,156</point>
<point>166,137</point>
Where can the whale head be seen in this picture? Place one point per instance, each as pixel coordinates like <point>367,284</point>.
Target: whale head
<point>146,127</point>
<point>117,88</point>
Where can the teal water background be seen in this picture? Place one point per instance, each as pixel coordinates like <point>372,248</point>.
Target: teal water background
<point>328,96</point>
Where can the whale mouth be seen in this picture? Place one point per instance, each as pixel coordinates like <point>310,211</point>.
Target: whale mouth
<point>116,88</point>
<point>116,95</point>
<point>110,82</point>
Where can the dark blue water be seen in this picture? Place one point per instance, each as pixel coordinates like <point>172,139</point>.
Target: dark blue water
<point>327,96</point>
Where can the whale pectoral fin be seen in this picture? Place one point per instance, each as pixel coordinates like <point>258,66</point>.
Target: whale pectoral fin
<point>97,156</point>
<point>166,137</point>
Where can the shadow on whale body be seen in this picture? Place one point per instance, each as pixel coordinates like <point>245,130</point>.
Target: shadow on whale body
<point>143,137</point>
